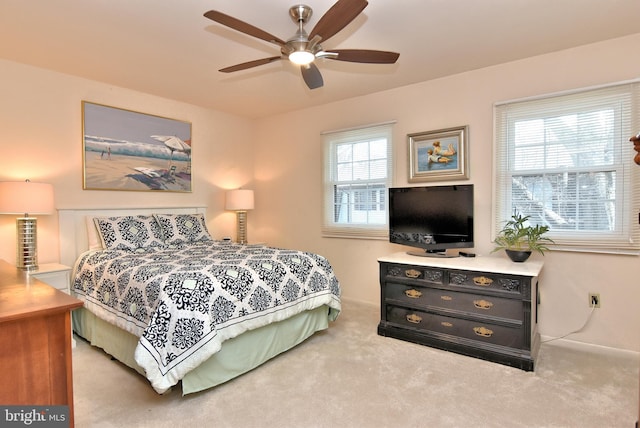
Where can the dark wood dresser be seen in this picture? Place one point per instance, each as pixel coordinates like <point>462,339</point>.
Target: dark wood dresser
<point>483,307</point>
<point>35,341</point>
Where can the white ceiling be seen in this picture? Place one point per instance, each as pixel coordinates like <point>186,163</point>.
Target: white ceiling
<point>168,48</point>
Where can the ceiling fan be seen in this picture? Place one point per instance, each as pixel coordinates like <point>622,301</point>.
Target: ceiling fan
<point>302,49</point>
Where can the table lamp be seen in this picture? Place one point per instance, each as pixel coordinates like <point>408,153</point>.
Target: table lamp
<point>240,200</point>
<point>27,198</point>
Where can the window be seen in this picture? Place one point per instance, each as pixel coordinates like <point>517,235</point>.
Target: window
<point>356,178</point>
<point>566,161</point>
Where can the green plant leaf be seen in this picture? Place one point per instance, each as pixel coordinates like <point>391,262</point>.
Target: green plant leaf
<point>516,235</point>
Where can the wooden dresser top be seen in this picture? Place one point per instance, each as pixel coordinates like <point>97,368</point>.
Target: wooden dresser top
<point>22,296</point>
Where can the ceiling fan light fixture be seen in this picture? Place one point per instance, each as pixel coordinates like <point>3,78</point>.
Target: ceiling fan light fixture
<point>303,48</point>
<point>301,57</point>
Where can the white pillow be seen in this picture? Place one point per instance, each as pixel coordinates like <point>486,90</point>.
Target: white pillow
<point>92,234</point>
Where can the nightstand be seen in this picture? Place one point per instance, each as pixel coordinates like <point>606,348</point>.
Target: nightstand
<point>58,276</point>
<point>54,274</point>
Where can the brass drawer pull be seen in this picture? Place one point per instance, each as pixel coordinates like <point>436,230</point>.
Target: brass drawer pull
<point>446,324</point>
<point>482,280</point>
<point>414,319</point>
<point>412,273</point>
<point>482,304</point>
<point>483,331</point>
<point>413,293</point>
<point>447,298</point>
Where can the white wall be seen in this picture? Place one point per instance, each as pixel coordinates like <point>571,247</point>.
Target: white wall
<point>41,139</point>
<point>288,177</point>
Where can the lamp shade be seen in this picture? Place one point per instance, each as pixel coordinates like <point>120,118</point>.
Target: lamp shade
<point>25,197</point>
<point>239,200</point>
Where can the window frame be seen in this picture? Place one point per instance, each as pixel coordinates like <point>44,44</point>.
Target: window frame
<point>625,238</point>
<point>331,140</point>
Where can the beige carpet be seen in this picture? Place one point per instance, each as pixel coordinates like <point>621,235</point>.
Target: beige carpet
<point>349,376</point>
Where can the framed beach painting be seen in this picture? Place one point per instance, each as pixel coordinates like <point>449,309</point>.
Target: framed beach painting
<point>439,155</point>
<point>127,150</point>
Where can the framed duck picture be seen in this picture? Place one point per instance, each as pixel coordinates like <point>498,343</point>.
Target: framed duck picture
<point>439,155</point>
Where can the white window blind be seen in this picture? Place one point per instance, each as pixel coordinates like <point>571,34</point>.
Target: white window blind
<point>566,161</point>
<point>357,174</point>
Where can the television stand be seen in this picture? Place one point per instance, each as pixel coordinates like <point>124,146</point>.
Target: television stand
<point>432,253</point>
<point>483,307</point>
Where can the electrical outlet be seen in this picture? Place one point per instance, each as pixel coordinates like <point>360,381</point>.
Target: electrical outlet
<point>594,300</point>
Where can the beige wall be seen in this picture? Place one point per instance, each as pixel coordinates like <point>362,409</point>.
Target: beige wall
<point>281,157</point>
<point>41,139</point>
<point>288,174</point>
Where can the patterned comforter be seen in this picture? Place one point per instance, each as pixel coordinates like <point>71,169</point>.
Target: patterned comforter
<point>185,302</point>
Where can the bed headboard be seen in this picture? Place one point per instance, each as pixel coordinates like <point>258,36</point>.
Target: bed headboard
<point>74,238</point>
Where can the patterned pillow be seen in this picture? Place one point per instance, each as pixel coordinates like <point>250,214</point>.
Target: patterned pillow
<point>183,228</point>
<point>129,232</point>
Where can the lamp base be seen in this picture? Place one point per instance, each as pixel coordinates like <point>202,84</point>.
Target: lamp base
<point>241,227</point>
<point>26,243</point>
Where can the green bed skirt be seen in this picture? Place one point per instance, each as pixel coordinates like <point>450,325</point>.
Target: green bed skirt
<point>237,356</point>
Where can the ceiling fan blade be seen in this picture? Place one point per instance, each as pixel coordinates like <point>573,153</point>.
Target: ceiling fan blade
<point>243,27</point>
<point>250,64</point>
<point>337,17</point>
<point>362,55</point>
<point>312,76</point>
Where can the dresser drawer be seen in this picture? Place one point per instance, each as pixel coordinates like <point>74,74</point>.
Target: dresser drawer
<point>469,329</point>
<point>418,273</point>
<point>512,285</point>
<point>453,301</point>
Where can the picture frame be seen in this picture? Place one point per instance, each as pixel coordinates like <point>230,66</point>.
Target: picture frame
<point>133,151</point>
<point>439,155</point>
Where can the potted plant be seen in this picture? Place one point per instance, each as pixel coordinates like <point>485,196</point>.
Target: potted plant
<point>518,239</point>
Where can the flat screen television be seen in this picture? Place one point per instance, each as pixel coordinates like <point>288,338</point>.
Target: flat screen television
<point>433,218</point>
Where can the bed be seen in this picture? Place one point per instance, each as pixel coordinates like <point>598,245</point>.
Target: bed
<point>182,308</point>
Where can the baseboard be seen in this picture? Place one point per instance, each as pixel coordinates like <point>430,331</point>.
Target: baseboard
<point>583,346</point>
